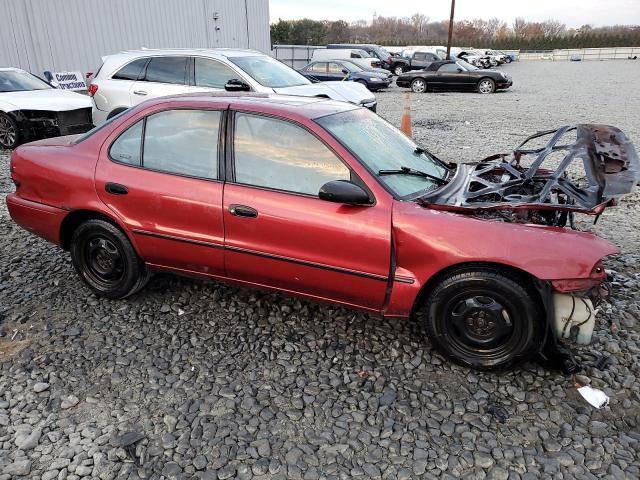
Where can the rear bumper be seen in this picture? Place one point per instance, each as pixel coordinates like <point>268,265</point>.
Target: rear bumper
<point>40,219</point>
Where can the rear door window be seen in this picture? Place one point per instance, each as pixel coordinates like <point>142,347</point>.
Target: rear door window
<point>320,67</point>
<point>126,148</point>
<point>167,70</point>
<point>212,74</point>
<point>183,142</point>
<point>130,71</point>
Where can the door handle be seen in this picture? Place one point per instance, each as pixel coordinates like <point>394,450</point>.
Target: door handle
<point>243,211</point>
<point>116,189</point>
<point>139,92</point>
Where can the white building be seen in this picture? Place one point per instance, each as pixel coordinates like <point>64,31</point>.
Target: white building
<point>73,35</point>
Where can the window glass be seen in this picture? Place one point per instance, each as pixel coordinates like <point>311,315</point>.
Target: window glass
<point>166,70</point>
<point>269,72</point>
<point>320,67</point>
<point>336,68</point>
<point>183,142</point>
<point>126,148</point>
<point>277,154</point>
<point>131,71</point>
<point>448,67</point>
<point>419,56</point>
<point>20,81</point>
<point>210,73</point>
<point>381,146</point>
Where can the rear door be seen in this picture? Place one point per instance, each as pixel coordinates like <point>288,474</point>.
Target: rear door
<point>334,71</point>
<point>163,76</point>
<point>318,71</point>
<point>160,176</point>
<point>280,234</point>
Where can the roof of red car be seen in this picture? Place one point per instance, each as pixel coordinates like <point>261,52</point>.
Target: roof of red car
<point>310,107</point>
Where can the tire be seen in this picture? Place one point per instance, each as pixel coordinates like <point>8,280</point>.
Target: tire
<point>486,85</point>
<point>9,132</point>
<point>397,70</point>
<point>483,318</point>
<point>364,83</point>
<point>106,261</point>
<point>509,59</point>
<point>418,85</point>
<point>115,112</point>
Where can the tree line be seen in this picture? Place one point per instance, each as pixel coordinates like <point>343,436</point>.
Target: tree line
<point>419,30</point>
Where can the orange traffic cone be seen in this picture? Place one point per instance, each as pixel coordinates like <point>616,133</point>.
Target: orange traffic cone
<point>405,120</point>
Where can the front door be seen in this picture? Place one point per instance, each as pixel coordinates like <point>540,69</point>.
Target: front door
<point>160,176</point>
<point>451,76</point>
<point>278,232</point>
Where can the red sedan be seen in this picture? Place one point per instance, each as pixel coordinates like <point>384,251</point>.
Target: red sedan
<point>327,200</point>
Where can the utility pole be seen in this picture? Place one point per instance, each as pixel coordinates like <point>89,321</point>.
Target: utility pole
<point>453,7</point>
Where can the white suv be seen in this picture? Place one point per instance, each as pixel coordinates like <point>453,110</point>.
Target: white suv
<point>128,78</point>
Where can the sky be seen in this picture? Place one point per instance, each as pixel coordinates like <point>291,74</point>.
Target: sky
<point>573,13</point>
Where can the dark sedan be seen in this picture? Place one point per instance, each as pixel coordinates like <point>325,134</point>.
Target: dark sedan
<point>452,75</point>
<point>338,69</point>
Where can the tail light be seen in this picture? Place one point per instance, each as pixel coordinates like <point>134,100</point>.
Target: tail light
<point>389,61</point>
<point>88,75</point>
<point>93,88</point>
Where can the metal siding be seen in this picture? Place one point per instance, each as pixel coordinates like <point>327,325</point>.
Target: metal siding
<point>39,35</point>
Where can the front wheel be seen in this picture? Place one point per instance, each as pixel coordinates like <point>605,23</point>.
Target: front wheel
<point>486,85</point>
<point>363,83</point>
<point>483,318</point>
<point>106,261</point>
<point>418,86</point>
<point>9,132</point>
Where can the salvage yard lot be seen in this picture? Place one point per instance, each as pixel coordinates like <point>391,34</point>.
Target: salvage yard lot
<point>221,382</point>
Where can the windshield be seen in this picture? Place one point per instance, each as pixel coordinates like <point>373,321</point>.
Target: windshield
<point>15,81</point>
<point>466,65</point>
<point>352,67</point>
<point>381,53</point>
<point>380,146</point>
<point>269,72</point>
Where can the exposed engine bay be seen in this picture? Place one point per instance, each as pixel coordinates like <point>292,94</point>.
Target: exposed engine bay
<point>579,169</point>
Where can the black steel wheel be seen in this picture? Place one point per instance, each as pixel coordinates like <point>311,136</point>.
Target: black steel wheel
<point>9,132</point>
<point>106,261</point>
<point>483,318</point>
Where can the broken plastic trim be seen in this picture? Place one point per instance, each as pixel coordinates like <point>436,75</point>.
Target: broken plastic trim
<point>500,182</point>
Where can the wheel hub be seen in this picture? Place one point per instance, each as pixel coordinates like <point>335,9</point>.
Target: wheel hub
<point>480,320</point>
<point>104,258</point>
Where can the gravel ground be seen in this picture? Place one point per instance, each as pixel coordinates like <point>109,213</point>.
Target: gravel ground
<point>194,379</point>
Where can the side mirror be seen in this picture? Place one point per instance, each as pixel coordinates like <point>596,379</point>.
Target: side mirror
<point>460,70</point>
<point>236,85</point>
<point>344,191</point>
<point>345,71</point>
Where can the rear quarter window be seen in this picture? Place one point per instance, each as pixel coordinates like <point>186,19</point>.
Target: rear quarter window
<point>131,71</point>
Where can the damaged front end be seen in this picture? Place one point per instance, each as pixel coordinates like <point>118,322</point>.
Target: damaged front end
<point>580,169</point>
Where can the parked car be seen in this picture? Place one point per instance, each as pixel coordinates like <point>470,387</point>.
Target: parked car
<point>31,109</point>
<point>394,64</point>
<point>454,75</point>
<point>128,78</point>
<point>421,60</point>
<point>360,56</point>
<point>499,56</point>
<point>339,70</point>
<point>329,201</point>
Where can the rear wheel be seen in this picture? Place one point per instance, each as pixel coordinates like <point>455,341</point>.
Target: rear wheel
<point>9,132</point>
<point>106,261</point>
<point>418,85</point>
<point>483,318</point>
<point>486,85</point>
<point>397,70</point>
<point>115,112</point>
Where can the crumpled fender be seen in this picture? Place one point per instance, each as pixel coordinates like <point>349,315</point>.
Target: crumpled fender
<point>428,241</point>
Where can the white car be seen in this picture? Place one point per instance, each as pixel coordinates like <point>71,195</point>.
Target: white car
<point>128,78</point>
<point>31,109</point>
